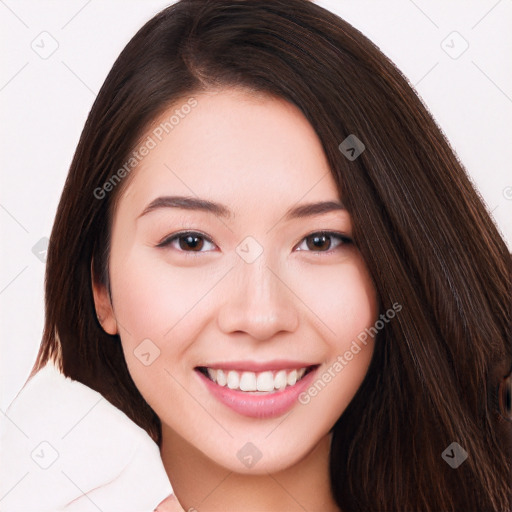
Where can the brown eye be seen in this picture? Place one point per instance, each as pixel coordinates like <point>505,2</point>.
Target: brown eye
<point>318,242</point>
<point>187,242</point>
<point>192,242</point>
<point>323,241</point>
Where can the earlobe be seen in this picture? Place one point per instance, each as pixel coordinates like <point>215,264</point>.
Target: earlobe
<point>103,305</point>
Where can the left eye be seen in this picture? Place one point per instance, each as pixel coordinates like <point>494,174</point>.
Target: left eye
<point>323,241</point>
<point>188,241</point>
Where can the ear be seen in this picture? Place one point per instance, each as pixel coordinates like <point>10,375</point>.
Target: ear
<point>103,305</point>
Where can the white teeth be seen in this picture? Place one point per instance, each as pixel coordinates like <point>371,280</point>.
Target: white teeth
<point>233,380</point>
<point>280,379</point>
<point>292,378</point>
<point>221,378</point>
<point>248,381</point>
<point>266,381</point>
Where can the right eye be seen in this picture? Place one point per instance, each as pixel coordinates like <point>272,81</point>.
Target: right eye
<point>186,241</point>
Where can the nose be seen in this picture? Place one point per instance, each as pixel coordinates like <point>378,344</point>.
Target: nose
<point>258,302</point>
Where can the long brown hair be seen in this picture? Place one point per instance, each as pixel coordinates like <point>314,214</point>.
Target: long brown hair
<point>421,227</point>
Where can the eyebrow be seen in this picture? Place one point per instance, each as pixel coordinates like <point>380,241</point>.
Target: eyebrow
<point>195,203</point>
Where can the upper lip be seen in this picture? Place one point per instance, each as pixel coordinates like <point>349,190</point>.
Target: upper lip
<point>255,366</point>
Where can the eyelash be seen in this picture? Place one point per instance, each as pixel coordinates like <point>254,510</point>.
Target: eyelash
<point>343,240</point>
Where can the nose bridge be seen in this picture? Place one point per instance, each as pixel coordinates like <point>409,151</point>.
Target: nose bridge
<point>260,285</point>
<point>257,301</point>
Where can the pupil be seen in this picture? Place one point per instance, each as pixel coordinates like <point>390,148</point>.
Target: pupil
<point>320,242</point>
<point>191,242</point>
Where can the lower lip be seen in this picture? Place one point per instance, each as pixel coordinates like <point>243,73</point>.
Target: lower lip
<point>270,405</point>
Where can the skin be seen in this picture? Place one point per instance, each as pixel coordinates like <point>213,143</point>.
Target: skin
<point>259,156</point>
<point>170,504</point>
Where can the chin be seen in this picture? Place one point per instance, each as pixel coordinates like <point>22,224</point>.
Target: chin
<point>273,462</point>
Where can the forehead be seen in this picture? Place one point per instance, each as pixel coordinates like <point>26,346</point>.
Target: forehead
<point>233,146</point>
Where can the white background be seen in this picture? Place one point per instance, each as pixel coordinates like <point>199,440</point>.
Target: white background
<point>44,104</point>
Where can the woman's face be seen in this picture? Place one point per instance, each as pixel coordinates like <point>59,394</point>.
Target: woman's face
<point>255,296</point>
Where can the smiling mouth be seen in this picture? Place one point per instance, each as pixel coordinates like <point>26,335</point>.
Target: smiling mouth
<point>265,382</point>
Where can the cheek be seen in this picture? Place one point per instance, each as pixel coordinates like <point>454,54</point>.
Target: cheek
<point>151,297</point>
<point>346,303</point>
<point>342,298</point>
<point>334,387</point>
<point>160,310</point>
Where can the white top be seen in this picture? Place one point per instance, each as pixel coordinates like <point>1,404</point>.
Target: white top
<point>63,447</point>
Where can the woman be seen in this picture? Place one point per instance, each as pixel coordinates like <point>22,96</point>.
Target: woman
<point>339,350</point>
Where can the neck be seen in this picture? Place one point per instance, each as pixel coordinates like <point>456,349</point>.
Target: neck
<point>201,484</point>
